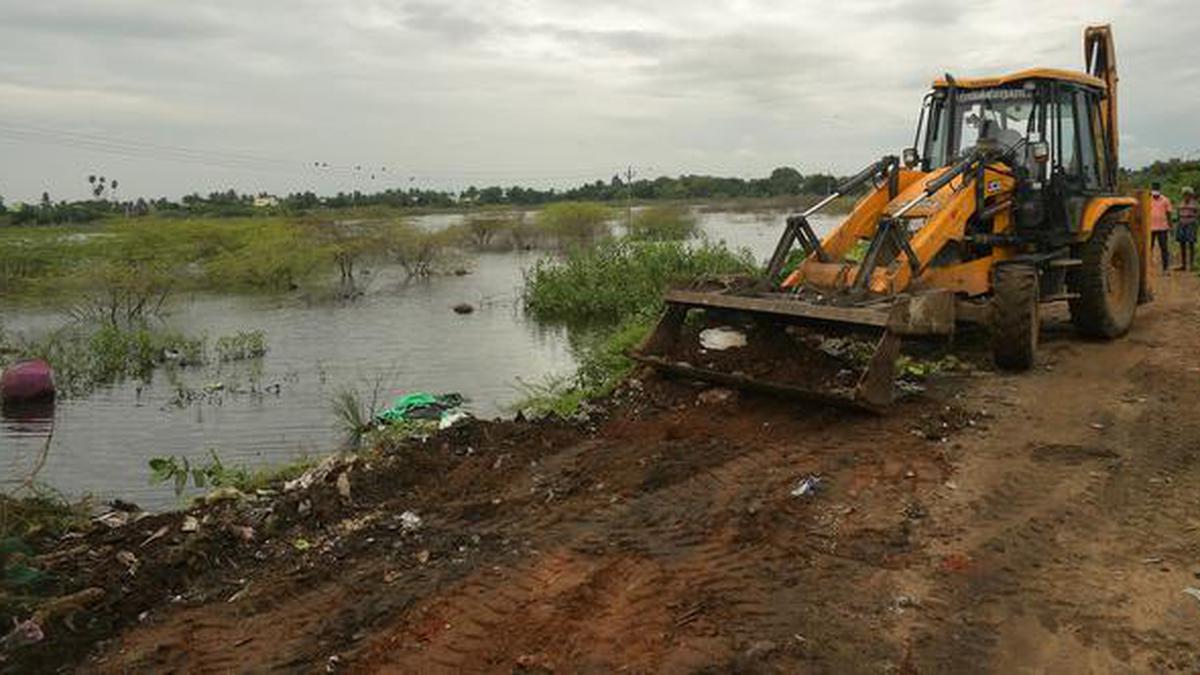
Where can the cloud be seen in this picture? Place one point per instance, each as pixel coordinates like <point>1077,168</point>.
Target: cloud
<point>539,91</point>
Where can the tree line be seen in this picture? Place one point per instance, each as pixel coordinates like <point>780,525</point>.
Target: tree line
<point>783,181</point>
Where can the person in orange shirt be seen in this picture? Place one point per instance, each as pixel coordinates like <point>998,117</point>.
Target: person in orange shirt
<point>1160,223</point>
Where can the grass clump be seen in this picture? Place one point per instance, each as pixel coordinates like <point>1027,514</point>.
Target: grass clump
<point>213,473</point>
<point>243,345</point>
<point>89,355</point>
<point>663,223</point>
<point>603,364</point>
<point>86,357</point>
<point>618,279</point>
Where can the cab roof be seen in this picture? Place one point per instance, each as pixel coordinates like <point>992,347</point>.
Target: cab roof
<point>1022,75</point>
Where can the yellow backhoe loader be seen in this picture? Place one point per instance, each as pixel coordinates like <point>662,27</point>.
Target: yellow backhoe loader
<point>1007,201</point>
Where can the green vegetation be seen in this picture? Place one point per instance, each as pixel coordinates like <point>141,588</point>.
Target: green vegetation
<point>242,345</point>
<point>612,293</point>
<point>663,223</point>
<point>213,473</point>
<point>617,279</point>
<point>603,364</point>
<point>574,224</point>
<point>87,355</point>
<point>40,514</point>
<point>128,268</point>
<point>1173,174</point>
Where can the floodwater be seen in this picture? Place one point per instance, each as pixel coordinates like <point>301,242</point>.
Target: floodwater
<point>402,336</point>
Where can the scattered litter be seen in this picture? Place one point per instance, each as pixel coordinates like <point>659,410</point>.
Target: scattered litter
<point>129,560</point>
<point>716,396</point>
<point>158,534</point>
<point>320,472</point>
<point>420,406</point>
<point>464,308</point>
<point>26,632</point>
<point>721,338</point>
<point>243,532</point>
<point>410,521</point>
<point>809,485</point>
<point>423,556</point>
<point>240,594</point>
<point>1097,426</point>
<point>114,519</point>
<point>343,484</point>
<point>451,418</point>
<point>190,524</point>
<point>761,649</point>
<point>915,511</point>
<point>1192,591</point>
<point>1153,560</point>
<point>302,544</point>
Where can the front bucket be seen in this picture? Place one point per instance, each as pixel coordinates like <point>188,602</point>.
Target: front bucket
<point>835,355</point>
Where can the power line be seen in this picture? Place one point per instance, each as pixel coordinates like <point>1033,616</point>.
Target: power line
<point>242,161</point>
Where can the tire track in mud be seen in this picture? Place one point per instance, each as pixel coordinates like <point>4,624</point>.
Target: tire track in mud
<point>670,569</point>
<point>1063,550</point>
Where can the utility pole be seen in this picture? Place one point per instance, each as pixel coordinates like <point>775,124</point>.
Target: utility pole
<point>628,198</point>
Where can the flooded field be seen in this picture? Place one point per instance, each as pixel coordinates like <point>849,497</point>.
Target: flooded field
<point>275,409</point>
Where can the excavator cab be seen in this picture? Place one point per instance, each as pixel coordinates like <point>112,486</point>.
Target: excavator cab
<point>1006,201</point>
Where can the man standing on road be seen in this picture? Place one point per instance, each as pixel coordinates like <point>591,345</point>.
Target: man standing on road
<point>1185,228</point>
<point>1160,223</point>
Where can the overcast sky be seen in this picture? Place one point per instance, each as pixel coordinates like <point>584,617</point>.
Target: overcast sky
<point>171,97</point>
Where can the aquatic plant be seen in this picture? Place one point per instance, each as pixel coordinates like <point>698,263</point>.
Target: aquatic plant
<point>214,473</point>
<point>574,224</point>
<point>663,223</point>
<point>420,252</point>
<point>618,279</point>
<point>247,344</point>
<point>355,408</point>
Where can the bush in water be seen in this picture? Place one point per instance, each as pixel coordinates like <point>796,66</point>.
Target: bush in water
<point>663,223</point>
<point>573,224</point>
<point>85,356</point>
<point>618,279</point>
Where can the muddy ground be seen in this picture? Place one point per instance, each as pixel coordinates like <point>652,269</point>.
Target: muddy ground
<point>1045,522</point>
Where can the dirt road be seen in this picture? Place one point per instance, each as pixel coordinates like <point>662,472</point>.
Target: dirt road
<point>1046,522</point>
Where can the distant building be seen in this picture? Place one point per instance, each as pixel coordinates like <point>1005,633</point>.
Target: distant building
<point>265,201</point>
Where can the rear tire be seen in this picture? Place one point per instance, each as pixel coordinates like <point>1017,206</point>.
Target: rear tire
<point>1015,319</point>
<point>1107,282</point>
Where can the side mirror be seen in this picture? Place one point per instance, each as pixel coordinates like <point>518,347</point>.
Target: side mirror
<point>911,158</point>
<point>1041,152</point>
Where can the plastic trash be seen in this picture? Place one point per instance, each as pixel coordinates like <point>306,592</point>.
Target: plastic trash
<point>721,338</point>
<point>1192,591</point>
<point>451,418</point>
<point>27,381</point>
<point>419,405</point>
<point>23,633</point>
<point>409,521</point>
<point>809,485</point>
